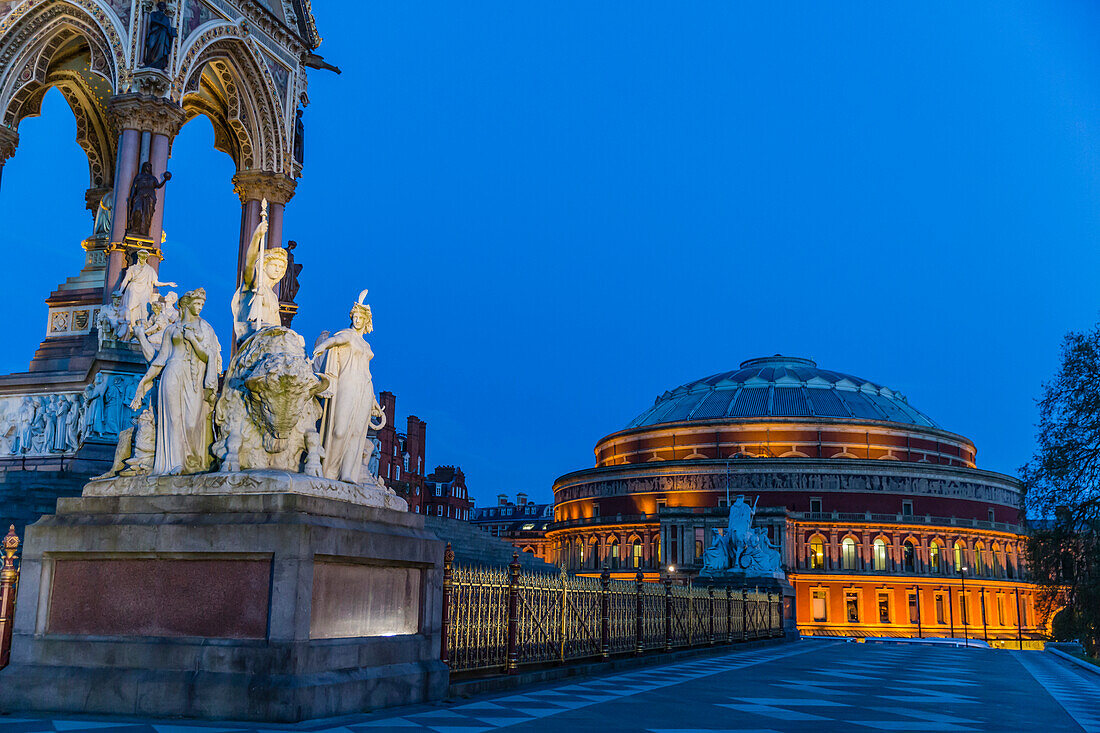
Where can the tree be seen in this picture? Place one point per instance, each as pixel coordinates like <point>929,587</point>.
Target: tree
<point>1062,492</point>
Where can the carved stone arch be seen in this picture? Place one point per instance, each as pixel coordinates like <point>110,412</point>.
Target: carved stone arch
<point>59,44</point>
<point>249,104</point>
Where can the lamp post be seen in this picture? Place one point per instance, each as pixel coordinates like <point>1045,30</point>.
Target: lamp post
<point>962,606</point>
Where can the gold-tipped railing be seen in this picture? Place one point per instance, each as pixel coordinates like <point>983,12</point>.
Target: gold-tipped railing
<point>500,619</point>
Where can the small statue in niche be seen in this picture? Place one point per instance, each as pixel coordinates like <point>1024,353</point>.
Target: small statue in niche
<point>103,218</point>
<point>288,286</point>
<point>159,35</point>
<point>139,288</point>
<point>299,137</point>
<point>143,200</point>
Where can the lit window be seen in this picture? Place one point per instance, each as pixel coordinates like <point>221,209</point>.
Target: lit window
<point>849,558</point>
<point>636,554</point>
<point>529,526</point>
<point>934,557</point>
<point>884,608</point>
<point>914,609</point>
<point>817,554</point>
<point>880,555</point>
<point>698,542</point>
<point>960,555</point>
<point>819,605</point>
<point>941,617</point>
<point>613,552</point>
<point>851,606</point>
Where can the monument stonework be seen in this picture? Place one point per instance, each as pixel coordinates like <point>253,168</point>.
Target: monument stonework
<point>221,545</point>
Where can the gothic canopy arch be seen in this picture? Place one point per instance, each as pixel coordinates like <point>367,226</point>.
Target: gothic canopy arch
<point>75,47</point>
<point>223,78</point>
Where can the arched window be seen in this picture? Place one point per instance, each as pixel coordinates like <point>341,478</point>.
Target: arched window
<point>996,553</point>
<point>880,555</point>
<point>817,553</point>
<point>980,560</point>
<point>908,557</point>
<point>960,556</point>
<point>1010,566</point>
<point>849,557</point>
<point>613,553</point>
<point>934,558</point>
<point>593,553</point>
<point>636,554</point>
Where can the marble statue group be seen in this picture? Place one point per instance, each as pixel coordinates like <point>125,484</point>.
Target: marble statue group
<point>275,407</point>
<point>742,549</point>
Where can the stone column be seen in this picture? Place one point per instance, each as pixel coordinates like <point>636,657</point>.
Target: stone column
<point>253,187</point>
<point>137,116</point>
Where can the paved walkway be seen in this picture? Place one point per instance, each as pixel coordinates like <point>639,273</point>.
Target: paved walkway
<point>806,686</point>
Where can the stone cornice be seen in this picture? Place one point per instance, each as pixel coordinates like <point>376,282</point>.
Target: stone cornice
<point>145,113</point>
<point>255,185</point>
<point>9,141</point>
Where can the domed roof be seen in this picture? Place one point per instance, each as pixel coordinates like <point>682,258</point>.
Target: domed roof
<point>781,387</point>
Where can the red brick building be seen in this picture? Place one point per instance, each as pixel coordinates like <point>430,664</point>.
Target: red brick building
<point>402,462</point>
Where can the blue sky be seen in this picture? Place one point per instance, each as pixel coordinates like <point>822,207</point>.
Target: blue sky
<point>563,209</point>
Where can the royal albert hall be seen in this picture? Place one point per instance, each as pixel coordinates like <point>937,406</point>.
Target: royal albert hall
<point>885,525</point>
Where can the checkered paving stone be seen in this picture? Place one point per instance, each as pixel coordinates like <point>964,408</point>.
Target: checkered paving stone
<point>813,685</point>
<point>1076,689</point>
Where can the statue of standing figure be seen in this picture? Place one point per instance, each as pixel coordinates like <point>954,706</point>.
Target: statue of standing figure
<point>256,304</point>
<point>188,364</point>
<point>159,35</point>
<point>352,402</point>
<point>139,288</point>
<point>143,200</point>
<point>103,218</point>
<point>743,548</point>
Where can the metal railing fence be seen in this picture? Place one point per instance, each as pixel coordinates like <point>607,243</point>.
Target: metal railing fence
<point>500,619</point>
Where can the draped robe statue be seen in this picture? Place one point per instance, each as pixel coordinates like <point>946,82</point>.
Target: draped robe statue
<point>352,403</point>
<point>256,304</point>
<point>188,364</point>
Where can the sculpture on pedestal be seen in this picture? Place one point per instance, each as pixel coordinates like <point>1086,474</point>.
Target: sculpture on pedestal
<point>111,323</point>
<point>158,39</point>
<point>94,411</point>
<point>267,413</point>
<point>188,364</point>
<point>139,287</point>
<point>743,549</point>
<point>256,304</point>
<point>352,402</point>
<point>143,200</point>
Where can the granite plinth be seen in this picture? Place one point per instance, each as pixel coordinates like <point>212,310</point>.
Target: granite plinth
<point>247,482</point>
<point>256,606</point>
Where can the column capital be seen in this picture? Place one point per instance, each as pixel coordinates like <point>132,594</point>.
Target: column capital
<point>9,140</point>
<point>145,113</point>
<point>255,185</point>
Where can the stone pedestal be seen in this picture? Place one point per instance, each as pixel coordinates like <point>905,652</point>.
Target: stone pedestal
<point>257,606</point>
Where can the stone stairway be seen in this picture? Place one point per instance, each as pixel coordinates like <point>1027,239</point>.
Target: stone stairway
<point>474,546</point>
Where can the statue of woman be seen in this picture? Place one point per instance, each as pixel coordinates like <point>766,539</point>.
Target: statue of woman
<point>143,200</point>
<point>158,39</point>
<point>103,220</point>
<point>188,364</point>
<point>138,288</point>
<point>352,403</point>
<point>256,304</point>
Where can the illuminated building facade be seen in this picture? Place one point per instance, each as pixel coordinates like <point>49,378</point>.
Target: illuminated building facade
<point>523,523</point>
<point>885,524</point>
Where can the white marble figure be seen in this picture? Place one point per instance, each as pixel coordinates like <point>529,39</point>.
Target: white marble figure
<point>23,422</point>
<point>742,549</point>
<point>375,460</point>
<point>93,417</point>
<point>256,304</point>
<point>150,332</point>
<point>61,422</point>
<point>187,364</point>
<point>352,402</point>
<point>139,287</point>
<point>268,411</point>
<point>111,323</point>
